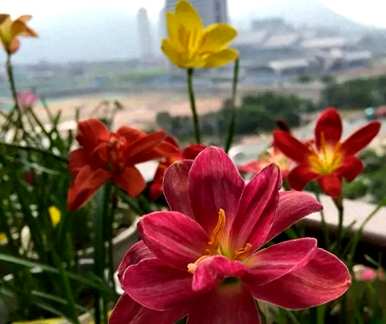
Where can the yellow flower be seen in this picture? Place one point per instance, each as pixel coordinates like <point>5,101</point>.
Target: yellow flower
<point>55,215</point>
<point>11,30</point>
<point>3,239</point>
<point>192,45</point>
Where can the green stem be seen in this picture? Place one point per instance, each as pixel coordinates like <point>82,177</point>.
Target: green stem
<point>35,149</point>
<point>232,123</point>
<point>339,206</point>
<point>12,84</point>
<point>101,217</point>
<point>196,123</point>
<point>325,230</point>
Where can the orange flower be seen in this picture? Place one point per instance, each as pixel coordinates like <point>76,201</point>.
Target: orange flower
<point>106,156</point>
<point>11,30</point>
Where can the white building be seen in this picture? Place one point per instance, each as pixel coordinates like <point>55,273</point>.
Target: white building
<point>211,11</point>
<point>144,36</point>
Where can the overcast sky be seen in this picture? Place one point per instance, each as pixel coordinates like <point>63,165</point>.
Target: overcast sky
<point>370,12</point>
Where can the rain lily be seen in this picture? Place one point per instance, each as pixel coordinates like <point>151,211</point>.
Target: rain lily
<point>55,215</point>
<point>271,155</point>
<point>192,45</point>
<point>26,99</point>
<point>367,274</point>
<point>189,153</point>
<point>10,30</point>
<point>327,159</point>
<point>207,259</point>
<point>106,156</point>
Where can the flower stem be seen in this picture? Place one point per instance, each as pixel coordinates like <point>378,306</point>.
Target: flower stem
<point>196,123</point>
<point>232,123</point>
<point>325,230</point>
<point>101,217</point>
<point>339,206</point>
<point>12,84</point>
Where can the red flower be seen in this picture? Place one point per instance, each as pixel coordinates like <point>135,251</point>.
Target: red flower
<point>271,155</point>
<point>106,156</point>
<point>205,259</point>
<point>189,153</point>
<point>327,159</point>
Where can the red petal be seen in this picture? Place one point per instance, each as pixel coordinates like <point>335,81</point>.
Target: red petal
<point>293,206</point>
<point>278,260</point>
<point>212,270</point>
<point>131,181</point>
<point>191,152</point>
<point>135,254</point>
<point>290,146</point>
<point>257,208</point>
<point>228,304</point>
<point>361,138</point>
<point>156,186</point>
<point>214,183</point>
<point>176,187</point>
<point>323,279</point>
<point>174,238</point>
<point>92,132</point>
<point>251,167</point>
<point>130,134</point>
<point>300,176</point>
<point>351,168</point>
<point>157,286</point>
<point>86,183</point>
<point>138,151</point>
<point>128,311</point>
<point>331,185</point>
<point>77,160</point>
<point>328,127</point>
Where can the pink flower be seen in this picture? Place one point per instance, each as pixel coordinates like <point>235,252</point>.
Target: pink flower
<point>26,99</point>
<point>367,274</point>
<point>207,259</point>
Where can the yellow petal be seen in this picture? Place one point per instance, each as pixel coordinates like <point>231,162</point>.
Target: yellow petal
<point>221,58</point>
<point>188,16</point>
<point>172,25</point>
<point>171,53</point>
<point>13,46</point>
<point>55,215</point>
<point>19,28</point>
<point>24,18</point>
<point>217,37</point>
<point>3,239</point>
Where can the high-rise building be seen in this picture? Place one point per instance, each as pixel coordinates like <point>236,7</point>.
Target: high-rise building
<point>211,11</point>
<point>144,36</point>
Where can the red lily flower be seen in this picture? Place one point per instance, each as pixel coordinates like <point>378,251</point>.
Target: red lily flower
<point>271,155</point>
<point>204,259</point>
<point>107,156</point>
<point>189,153</point>
<point>327,159</point>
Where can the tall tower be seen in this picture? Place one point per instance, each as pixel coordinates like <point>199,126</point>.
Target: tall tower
<point>144,36</point>
<point>211,11</point>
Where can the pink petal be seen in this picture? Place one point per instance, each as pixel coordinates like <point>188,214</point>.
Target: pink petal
<point>228,304</point>
<point>293,206</point>
<point>323,279</point>
<point>176,187</point>
<point>278,260</point>
<point>135,254</point>
<point>211,271</point>
<point>157,286</point>
<point>128,311</point>
<point>174,238</point>
<point>214,183</point>
<point>258,205</point>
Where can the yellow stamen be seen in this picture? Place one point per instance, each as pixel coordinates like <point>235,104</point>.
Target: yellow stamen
<point>217,232</point>
<point>245,251</point>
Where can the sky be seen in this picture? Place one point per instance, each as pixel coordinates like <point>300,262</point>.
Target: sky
<point>95,30</point>
<point>369,12</point>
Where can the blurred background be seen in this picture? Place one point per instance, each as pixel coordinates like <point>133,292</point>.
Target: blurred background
<point>310,52</point>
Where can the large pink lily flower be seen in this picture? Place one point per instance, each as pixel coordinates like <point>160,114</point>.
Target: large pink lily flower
<point>206,259</point>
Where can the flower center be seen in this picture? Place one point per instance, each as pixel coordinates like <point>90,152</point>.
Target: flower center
<point>326,160</point>
<point>218,245</point>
